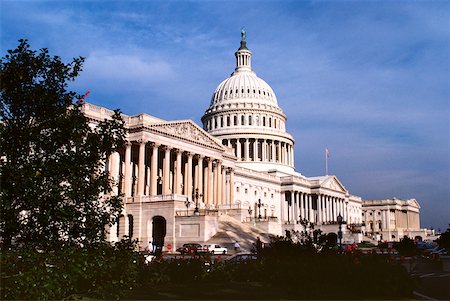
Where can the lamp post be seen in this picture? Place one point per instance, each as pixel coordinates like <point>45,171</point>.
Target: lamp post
<point>187,203</point>
<point>339,220</point>
<point>249,210</point>
<point>259,209</point>
<point>195,196</point>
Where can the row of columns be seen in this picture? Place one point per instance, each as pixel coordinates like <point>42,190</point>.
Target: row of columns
<point>161,169</point>
<point>316,208</point>
<point>262,150</point>
<point>227,120</point>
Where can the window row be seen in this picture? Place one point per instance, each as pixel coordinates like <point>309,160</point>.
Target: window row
<point>238,120</point>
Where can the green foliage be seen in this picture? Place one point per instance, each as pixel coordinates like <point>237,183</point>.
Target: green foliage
<point>99,271</point>
<point>287,270</point>
<point>52,161</point>
<point>444,240</point>
<point>407,247</point>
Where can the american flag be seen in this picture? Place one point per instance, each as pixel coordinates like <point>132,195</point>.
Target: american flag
<point>83,97</point>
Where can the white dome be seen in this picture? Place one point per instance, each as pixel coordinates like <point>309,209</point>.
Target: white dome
<point>243,86</point>
<point>244,114</point>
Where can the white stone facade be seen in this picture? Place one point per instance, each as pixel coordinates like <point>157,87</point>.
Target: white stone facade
<point>391,219</point>
<point>178,178</point>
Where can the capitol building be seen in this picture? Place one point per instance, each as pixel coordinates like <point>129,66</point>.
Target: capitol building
<point>235,176</point>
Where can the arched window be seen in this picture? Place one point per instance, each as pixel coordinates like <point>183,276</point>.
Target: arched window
<point>242,120</point>
<point>228,120</point>
<point>250,120</point>
<point>221,121</point>
<point>270,122</point>
<point>264,120</point>
<point>235,120</point>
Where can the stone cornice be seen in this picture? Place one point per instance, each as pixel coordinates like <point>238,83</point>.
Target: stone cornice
<point>184,130</point>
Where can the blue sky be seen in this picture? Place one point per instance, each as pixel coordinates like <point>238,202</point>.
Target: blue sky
<point>370,79</point>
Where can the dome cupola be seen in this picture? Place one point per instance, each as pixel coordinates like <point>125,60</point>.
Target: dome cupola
<point>245,115</point>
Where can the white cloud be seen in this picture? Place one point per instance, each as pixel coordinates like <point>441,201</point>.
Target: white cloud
<point>126,71</point>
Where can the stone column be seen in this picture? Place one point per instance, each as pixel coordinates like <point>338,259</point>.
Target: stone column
<point>252,147</point>
<point>327,201</point>
<point>200,177</point>
<point>127,173</point>
<point>223,186</point>
<point>166,170</point>
<point>272,151</point>
<point>216,179</point>
<point>335,208</point>
<point>264,150</point>
<point>296,205</point>
<point>279,151</point>
<point>238,149</point>
<point>141,169</point>
<point>247,150</point>
<point>114,171</point>
<point>231,186</point>
<point>319,209</point>
<point>210,175</point>
<point>189,175</point>
<point>195,178</point>
<point>154,170</point>
<point>310,216</point>
<point>288,152</point>
<point>178,175</point>
<point>345,210</point>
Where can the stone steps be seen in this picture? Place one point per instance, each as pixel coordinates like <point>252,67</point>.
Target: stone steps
<point>232,230</point>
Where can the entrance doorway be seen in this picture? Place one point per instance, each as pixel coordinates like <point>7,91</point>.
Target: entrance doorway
<point>159,231</point>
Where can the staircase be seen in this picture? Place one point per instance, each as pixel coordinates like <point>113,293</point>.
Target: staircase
<point>232,230</point>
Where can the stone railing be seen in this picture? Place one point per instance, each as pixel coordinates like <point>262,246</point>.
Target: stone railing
<point>156,198</point>
<point>201,212</point>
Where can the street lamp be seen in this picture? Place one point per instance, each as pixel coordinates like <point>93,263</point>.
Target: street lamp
<point>339,220</point>
<point>187,203</point>
<point>249,210</point>
<point>195,196</point>
<point>259,209</point>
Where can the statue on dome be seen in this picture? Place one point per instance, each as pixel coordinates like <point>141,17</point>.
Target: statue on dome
<point>243,34</point>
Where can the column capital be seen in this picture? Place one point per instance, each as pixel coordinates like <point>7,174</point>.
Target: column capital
<point>177,150</point>
<point>154,144</point>
<point>166,148</point>
<point>198,156</point>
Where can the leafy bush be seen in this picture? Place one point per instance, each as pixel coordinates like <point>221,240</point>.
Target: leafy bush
<point>99,271</point>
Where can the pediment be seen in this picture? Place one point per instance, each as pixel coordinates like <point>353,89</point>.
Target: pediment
<point>186,130</point>
<point>334,184</point>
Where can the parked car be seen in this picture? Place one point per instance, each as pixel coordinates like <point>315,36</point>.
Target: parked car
<point>190,248</point>
<point>440,251</point>
<point>242,257</point>
<point>215,249</point>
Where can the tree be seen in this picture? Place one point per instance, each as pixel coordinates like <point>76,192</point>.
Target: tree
<point>54,187</point>
<point>444,239</point>
<point>407,247</point>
